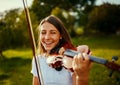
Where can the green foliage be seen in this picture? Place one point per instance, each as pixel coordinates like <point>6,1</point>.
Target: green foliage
<point>43,8</point>
<point>82,3</point>
<point>2,33</point>
<point>14,29</point>
<point>12,32</point>
<point>104,19</point>
<point>40,10</point>
<point>7,29</point>
<point>13,25</point>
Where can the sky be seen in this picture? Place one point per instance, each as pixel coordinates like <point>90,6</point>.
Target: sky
<point>98,2</point>
<point>11,4</point>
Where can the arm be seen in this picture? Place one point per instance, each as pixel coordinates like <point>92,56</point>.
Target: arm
<point>80,81</point>
<point>35,80</point>
<point>81,67</point>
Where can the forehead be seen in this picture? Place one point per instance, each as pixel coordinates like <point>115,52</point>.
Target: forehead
<point>48,26</point>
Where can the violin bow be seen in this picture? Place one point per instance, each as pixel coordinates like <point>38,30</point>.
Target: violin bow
<point>39,73</point>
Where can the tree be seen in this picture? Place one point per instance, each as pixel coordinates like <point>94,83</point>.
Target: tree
<point>104,19</point>
<point>2,39</point>
<point>6,33</point>
<point>13,25</point>
<point>72,8</point>
<point>43,8</point>
<point>11,19</point>
<point>10,33</point>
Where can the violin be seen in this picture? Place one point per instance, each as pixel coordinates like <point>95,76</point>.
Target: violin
<point>63,58</point>
<point>57,60</point>
<point>60,61</point>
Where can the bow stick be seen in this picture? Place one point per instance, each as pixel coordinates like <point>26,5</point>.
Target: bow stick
<point>39,73</point>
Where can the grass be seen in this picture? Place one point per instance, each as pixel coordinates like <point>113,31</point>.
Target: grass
<point>103,47</point>
<point>15,68</point>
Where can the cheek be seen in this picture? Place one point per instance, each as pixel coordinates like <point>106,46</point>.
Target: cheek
<point>57,39</point>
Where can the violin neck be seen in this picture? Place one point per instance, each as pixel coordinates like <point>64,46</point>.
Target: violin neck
<point>111,65</point>
<point>72,53</point>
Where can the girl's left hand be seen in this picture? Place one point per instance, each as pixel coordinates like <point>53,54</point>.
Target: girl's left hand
<point>81,64</point>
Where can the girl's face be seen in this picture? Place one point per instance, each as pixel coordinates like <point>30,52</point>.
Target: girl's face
<point>49,36</point>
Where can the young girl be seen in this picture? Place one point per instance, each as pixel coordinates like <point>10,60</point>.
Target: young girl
<point>52,36</point>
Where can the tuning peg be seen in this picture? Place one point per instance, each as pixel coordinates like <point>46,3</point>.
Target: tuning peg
<point>114,58</point>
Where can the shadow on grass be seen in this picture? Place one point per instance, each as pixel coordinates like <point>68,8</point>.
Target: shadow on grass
<point>14,70</point>
<point>8,64</point>
<point>4,76</point>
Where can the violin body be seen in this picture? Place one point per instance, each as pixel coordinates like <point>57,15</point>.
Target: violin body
<point>60,61</point>
<point>68,54</point>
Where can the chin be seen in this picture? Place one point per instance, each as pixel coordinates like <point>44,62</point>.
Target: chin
<point>48,49</point>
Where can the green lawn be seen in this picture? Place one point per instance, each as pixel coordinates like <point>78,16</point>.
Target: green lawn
<point>15,67</point>
<point>103,47</point>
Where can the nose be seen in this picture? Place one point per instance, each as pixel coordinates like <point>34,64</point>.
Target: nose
<point>47,36</point>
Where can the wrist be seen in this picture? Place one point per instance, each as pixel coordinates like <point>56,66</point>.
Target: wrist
<point>82,80</point>
<point>82,75</point>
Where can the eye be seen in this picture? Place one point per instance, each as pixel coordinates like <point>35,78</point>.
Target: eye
<point>43,32</point>
<point>53,32</point>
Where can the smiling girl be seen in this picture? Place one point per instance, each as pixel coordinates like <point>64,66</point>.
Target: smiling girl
<point>52,36</point>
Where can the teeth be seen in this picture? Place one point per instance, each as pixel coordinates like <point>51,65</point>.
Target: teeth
<point>48,42</point>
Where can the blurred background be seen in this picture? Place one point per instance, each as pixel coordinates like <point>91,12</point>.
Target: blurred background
<point>95,23</point>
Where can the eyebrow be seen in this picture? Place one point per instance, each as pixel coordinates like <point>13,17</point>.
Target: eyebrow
<point>50,30</point>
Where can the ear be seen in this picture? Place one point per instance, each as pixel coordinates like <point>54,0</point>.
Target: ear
<point>60,37</point>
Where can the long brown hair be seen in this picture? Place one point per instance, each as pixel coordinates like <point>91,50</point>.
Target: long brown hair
<point>60,27</point>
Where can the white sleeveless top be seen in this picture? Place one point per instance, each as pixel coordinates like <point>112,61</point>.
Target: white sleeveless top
<point>50,75</point>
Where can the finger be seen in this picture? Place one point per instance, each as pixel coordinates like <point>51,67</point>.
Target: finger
<point>85,56</point>
<point>81,54</point>
<point>61,51</point>
<point>88,51</point>
<point>83,48</point>
<point>79,58</point>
